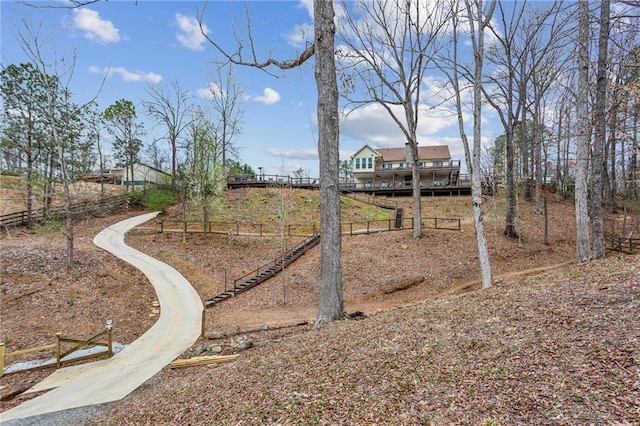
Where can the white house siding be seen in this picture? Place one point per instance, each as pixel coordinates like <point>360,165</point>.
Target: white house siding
<point>144,175</point>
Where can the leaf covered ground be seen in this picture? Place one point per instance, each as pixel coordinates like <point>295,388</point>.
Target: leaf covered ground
<point>554,347</point>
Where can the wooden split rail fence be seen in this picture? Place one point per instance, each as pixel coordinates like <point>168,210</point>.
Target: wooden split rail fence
<point>258,229</point>
<point>79,209</point>
<point>622,244</point>
<point>63,356</point>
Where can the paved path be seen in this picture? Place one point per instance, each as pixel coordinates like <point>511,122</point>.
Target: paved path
<point>108,380</point>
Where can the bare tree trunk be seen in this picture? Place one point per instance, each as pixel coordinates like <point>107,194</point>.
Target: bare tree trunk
<point>537,154</point>
<point>331,305</point>
<point>524,144</point>
<point>611,178</point>
<point>633,163</point>
<point>559,177</point>
<point>583,247</point>
<point>511,189</point>
<point>473,156</point>
<point>416,192</point>
<point>68,231</point>
<point>598,160</point>
<point>476,178</point>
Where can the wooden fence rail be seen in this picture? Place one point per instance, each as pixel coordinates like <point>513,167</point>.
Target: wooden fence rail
<point>622,244</point>
<point>78,209</point>
<point>59,354</point>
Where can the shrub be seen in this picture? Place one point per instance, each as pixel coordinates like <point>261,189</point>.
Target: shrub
<point>159,199</point>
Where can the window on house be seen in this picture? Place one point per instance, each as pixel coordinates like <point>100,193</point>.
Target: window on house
<point>437,164</point>
<point>401,166</point>
<point>357,163</point>
<point>422,164</point>
<point>370,164</point>
<point>386,165</point>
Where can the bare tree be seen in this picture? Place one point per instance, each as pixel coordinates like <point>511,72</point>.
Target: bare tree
<point>478,18</point>
<point>388,47</point>
<point>598,162</point>
<point>525,38</point>
<point>331,303</point>
<point>169,107</point>
<point>226,97</point>
<point>583,247</point>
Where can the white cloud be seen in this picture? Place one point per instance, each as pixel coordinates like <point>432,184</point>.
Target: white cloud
<point>212,89</point>
<point>301,36</point>
<point>297,154</point>
<point>189,34</point>
<point>307,4</point>
<point>126,75</point>
<point>372,123</point>
<point>269,96</point>
<point>94,27</point>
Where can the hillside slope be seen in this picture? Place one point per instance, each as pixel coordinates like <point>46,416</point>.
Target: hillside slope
<point>562,347</point>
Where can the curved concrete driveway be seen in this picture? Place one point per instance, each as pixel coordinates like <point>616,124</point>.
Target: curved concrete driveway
<point>175,331</point>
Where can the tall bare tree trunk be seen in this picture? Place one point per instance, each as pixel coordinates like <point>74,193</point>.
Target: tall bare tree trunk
<point>331,305</point>
<point>598,160</point>
<point>583,247</point>
<point>416,190</point>
<point>476,178</point>
<point>611,176</point>
<point>473,156</point>
<point>68,224</point>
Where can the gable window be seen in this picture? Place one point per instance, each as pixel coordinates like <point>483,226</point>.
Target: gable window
<point>357,163</point>
<point>370,163</point>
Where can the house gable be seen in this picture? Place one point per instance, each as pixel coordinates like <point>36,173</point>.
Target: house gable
<point>364,159</point>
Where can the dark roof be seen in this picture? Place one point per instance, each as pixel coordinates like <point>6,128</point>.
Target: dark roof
<point>438,152</point>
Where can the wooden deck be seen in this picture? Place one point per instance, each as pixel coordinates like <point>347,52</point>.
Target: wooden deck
<point>461,187</point>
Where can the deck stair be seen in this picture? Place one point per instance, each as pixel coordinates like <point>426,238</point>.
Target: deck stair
<point>454,175</point>
<point>265,272</point>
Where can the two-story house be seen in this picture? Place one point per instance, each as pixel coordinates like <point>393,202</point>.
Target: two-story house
<point>386,168</point>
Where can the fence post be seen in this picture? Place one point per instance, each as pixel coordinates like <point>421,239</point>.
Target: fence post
<point>162,226</point>
<point>367,227</point>
<point>109,340</point>
<point>1,359</point>
<point>58,349</point>
<point>202,325</point>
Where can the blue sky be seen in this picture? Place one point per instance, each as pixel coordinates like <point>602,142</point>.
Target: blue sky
<point>158,42</point>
